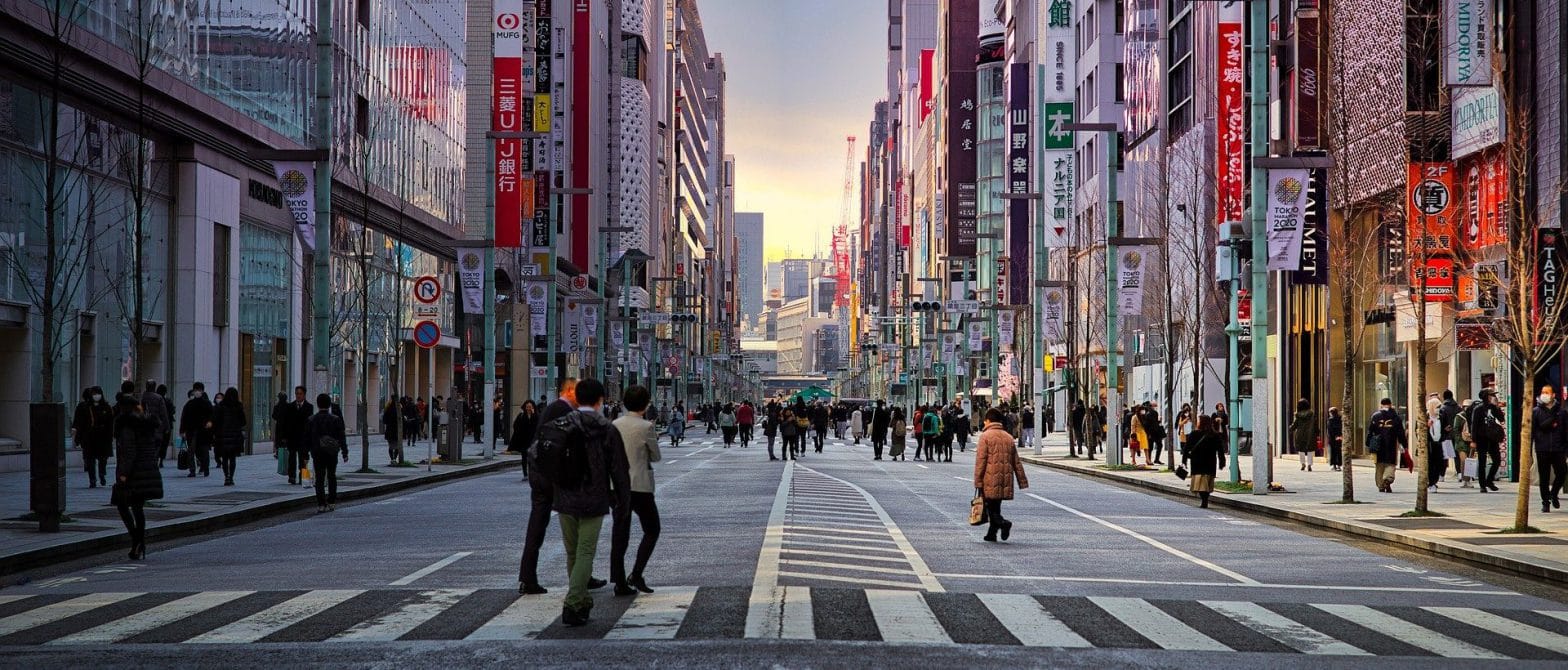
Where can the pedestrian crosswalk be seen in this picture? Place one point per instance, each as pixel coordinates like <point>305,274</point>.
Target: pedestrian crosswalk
<point>891,616</point>
<point>834,533</point>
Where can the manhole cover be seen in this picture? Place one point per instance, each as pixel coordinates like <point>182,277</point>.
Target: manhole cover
<point>1512,539</point>
<point>1425,523</point>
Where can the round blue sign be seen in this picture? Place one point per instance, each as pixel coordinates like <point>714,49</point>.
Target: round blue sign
<point>427,334</point>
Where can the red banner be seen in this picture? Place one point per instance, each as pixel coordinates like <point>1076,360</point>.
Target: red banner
<point>927,81</point>
<point>1432,216</point>
<point>506,116</point>
<point>1230,120</point>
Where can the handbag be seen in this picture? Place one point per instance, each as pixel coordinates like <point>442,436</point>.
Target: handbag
<point>117,495</point>
<point>183,460</point>
<point>1472,468</point>
<point>1181,472</point>
<point>977,513</point>
<point>1405,462</point>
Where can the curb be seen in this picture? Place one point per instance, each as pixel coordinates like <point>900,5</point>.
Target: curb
<point>1454,550</point>
<point>42,556</point>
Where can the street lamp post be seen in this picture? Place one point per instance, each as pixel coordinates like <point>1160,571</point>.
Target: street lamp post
<point>1113,451</point>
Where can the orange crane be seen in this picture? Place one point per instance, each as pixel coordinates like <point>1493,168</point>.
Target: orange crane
<point>841,269</point>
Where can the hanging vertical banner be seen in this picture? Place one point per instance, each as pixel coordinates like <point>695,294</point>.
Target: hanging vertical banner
<point>949,345</point>
<point>1287,209</point>
<point>1058,63</point>
<point>471,275</point>
<point>1055,315</point>
<point>1549,278</point>
<point>1307,108</point>
<point>591,325</point>
<point>1314,233</point>
<point>1433,219</point>
<point>976,336</point>
<point>506,100</point>
<point>537,303</point>
<point>1019,168</point>
<point>1130,271</point>
<point>1467,42</point>
<point>572,327</point>
<point>1006,324</point>
<point>297,181</point>
<point>1230,116</point>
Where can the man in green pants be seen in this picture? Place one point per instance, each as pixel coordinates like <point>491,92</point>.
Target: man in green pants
<point>597,480</point>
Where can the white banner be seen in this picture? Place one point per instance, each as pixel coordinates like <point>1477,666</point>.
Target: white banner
<point>1054,315</point>
<point>1467,42</point>
<point>1004,328</point>
<point>591,325</point>
<point>1287,208</point>
<point>1130,266</point>
<point>1477,114</point>
<point>297,181</point>
<point>976,336</point>
<point>471,275</point>
<point>537,303</point>
<point>949,345</point>
<point>572,327</point>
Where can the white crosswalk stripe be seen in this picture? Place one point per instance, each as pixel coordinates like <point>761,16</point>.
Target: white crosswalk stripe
<point>900,613</point>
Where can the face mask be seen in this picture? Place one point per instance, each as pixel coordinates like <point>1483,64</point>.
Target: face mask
<point>97,397</point>
<point>1546,399</point>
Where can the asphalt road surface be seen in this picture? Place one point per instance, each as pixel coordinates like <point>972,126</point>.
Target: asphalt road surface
<point>835,560</point>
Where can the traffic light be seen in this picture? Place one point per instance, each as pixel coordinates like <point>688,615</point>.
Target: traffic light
<point>683,318</point>
<point>925,306</point>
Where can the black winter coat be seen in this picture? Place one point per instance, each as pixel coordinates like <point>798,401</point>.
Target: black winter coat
<point>136,458</point>
<point>1389,430</point>
<point>1547,428</point>
<point>1206,452</point>
<point>228,430</point>
<point>194,419</point>
<point>522,432</point>
<point>609,478</point>
<point>94,424</point>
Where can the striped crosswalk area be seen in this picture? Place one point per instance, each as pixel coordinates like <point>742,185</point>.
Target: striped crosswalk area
<point>834,534</point>
<point>895,616</point>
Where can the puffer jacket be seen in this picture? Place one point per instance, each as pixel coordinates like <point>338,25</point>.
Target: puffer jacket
<point>609,478</point>
<point>997,464</point>
<point>136,455</point>
<point>1304,431</point>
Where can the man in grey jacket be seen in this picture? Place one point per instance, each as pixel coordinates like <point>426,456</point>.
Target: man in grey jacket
<point>641,441</point>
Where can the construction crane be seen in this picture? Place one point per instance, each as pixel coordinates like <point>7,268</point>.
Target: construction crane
<point>841,269</point>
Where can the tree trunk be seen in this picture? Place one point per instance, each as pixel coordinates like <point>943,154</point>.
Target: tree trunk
<point>1526,456</point>
<point>1347,314</point>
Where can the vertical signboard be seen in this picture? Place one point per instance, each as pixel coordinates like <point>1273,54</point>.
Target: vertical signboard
<point>1230,116</point>
<point>1433,215</point>
<point>1477,115</point>
<point>1019,154</point>
<point>1467,42</point>
<point>1314,233</point>
<point>506,117</point>
<point>962,48</point>
<point>1056,111</point>
<point>927,81</point>
<point>1306,117</point>
<point>582,109</point>
<point>1287,208</point>
<point>1550,252</point>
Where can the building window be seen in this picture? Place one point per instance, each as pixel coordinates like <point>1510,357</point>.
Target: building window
<point>220,275</point>
<point>362,12</point>
<point>1121,17</point>
<point>361,116</point>
<point>1121,83</point>
<point>634,60</point>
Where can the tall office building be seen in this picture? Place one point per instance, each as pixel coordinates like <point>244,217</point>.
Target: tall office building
<point>749,229</point>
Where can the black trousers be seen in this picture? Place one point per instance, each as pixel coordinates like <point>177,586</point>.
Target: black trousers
<point>1489,457</point>
<point>326,477</point>
<point>201,455</point>
<point>298,459</point>
<point>745,433</point>
<point>993,510</point>
<point>1553,468</point>
<point>821,434</point>
<point>97,469</point>
<point>227,464</point>
<point>647,513</point>
<point>135,522</point>
<point>876,447</point>
<point>542,495</point>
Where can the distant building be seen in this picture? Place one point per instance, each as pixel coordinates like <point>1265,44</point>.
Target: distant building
<point>749,231</point>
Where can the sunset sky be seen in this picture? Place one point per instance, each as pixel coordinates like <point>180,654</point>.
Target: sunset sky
<point>802,76</point>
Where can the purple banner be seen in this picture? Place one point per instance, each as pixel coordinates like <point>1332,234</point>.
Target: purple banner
<point>1018,169</point>
<point>963,197</point>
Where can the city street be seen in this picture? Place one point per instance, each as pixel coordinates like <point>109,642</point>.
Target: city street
<point>795,563</point>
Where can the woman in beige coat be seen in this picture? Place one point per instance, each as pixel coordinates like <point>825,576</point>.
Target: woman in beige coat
<point>996,466</point>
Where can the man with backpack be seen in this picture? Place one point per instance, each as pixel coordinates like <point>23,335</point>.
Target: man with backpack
<point>931,428</point>
<point>327,439</point>
<point>1486,423</point>
<point>542,494</point>
<point>584,459</point>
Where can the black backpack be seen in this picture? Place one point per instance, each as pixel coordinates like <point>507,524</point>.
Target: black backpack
<point>560,452</point>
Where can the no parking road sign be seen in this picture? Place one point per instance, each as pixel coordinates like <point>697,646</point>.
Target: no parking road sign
<point>427,334</point>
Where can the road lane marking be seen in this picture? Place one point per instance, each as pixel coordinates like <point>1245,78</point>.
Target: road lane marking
<point>654,616</point>
<point>67,608</point>
<point>12,598</point>
<point>862,581</point>
<point>838,554</point>
<point>904,616</point>
<point>1283,629</point>
<point>841,538</point>
<point>1156,624</point>
<point>146,620</point>
<point>524,619</point>
<point>1258,585</point>
<point>275,618</point>
<point>845,566</point>
<point>823,529</point>
<point>1505,626</point>
<point>1555,615</point>
<point>399,622</point>
<point>920,465</point>
<point>765,610</point>
<point>1030,622</point>
<point>422,572</point>
<point>831,545</point>
<point>918,564</point>
<point>817,520</point>
<point>1151,542</point>
<point>1424,638</point>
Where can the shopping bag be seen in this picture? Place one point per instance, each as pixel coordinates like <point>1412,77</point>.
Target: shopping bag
<point>977,513</point>
<point>1472,467</point>
<point>283,461</point>
<point>304,474</point>
<point>1405,462</point>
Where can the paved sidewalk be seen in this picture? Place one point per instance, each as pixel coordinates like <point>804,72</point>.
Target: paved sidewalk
<point>1468,531</point>
<point>192,506</point>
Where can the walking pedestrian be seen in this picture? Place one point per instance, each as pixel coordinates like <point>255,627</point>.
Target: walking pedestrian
<point>1026,420</point>
<point>880,420</point>
<point>228,433</point>
<point>857,425</point>
<point>1137,437</point>
<point>136,476</point>
<point>1155,429</point>
<point>897,427</point>
<point>584,494</point>
<point>1336,439</point>
<point>641,443</point>
<point>93,429</point>
<point>423,411</point>
<point>770,428</point>
<point>1387,438</point>
<point>1206,451</point>
<point>1463,444</point>
<point>157,407</point>
<point>1439,458</point>
<point>920,430</point>
<point>996,467</point>
<point>961,431</point>
<point>1077,415</point>
<point>168,430</point>
<point>1185,424</point>
<point>1304,433</point>
<point>541,495</point>
<point>297,414</point>
<point>677,425</point>
<point>196,427</point>
<point>819,421</point>
<point>727,425</point>
<point>932,430</point>
<point>327,439</point>
<point>1486,432</point>
<point>411,423</point>
<point>392,429</point>
<point>523,432</point>
<point>789,427</point>
<point>745,421</point>
<point>1549,421</point>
